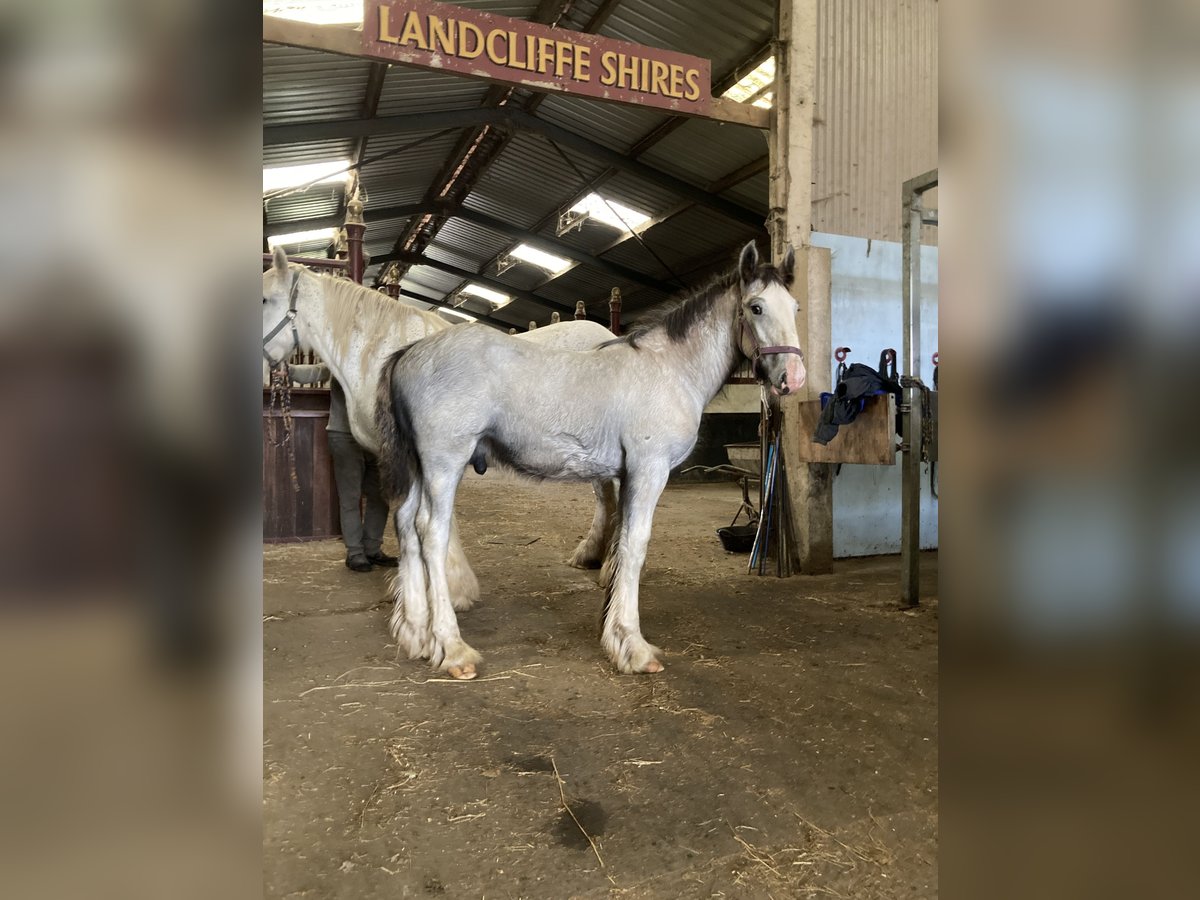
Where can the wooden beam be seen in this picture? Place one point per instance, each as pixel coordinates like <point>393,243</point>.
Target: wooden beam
<point>348,42</point>
<point>809,485</point>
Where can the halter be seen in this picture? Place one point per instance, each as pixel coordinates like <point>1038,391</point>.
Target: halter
<point>289,318</point>
<point>758,352</point>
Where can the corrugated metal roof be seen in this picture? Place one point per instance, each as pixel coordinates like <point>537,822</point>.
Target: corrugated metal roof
<point>723,32</point>
<point>308,86</point>
<point>296,154</point>
<point>526,181</point>
<point>407,90</point>
<point>703,152</point>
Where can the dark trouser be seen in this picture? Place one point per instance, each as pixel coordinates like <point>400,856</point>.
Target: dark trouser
<point>356,473</point>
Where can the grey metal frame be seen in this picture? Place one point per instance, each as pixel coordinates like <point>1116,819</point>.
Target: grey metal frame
<point>914,216</point>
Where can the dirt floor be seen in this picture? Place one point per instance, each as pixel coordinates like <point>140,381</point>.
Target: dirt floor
<point>788,750</point>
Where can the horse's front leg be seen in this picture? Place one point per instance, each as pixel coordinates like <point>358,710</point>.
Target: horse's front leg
<point>464,586</point>
<point>410,612</point>
<point>592,549</point>
<point>621,633</point>
<point>447,650</point>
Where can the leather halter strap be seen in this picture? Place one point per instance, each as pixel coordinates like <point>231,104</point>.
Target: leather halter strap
<point>757,351</point>
<point>289,318</point>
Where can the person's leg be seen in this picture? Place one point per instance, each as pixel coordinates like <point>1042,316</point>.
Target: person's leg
<point>348,466</point>
<point>375,514</point>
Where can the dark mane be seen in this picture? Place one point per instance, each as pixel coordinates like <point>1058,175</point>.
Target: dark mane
<point>677,316</point>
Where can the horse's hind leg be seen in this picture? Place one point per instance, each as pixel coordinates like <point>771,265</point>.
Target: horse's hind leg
<point>464,586</point>
<point>410,614</point>
<point>592,549</point>
<point>447,650</point>
<point>621,633</point>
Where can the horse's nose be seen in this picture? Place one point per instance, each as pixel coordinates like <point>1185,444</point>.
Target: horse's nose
<point>794,374</point>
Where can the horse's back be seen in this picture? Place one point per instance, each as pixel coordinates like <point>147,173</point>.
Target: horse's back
<point>572,335</point>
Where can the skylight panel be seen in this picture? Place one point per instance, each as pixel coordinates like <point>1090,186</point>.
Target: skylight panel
<point>318,12</point>
<point>496,298</point>
<point>283,177</point>
<point>753,88</point>
<point>611,213</point>
<point>548,261</point>
<point>458,314</point>
<point>301,237</point>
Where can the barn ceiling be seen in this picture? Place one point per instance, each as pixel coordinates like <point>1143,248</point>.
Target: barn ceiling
<point>461,178</point>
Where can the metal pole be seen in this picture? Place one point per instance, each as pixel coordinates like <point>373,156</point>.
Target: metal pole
<point>910,484</point>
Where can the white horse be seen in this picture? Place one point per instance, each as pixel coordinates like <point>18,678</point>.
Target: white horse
<point>354,330</point>
<point>629,410</point>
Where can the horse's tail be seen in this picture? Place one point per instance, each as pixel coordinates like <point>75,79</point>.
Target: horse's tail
<point>398,462</point>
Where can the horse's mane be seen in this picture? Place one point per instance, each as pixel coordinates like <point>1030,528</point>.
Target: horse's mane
<point>351,308</point>
<point>677,316</point>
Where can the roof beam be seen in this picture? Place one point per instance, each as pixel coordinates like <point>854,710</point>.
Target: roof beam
<point>348,42</point>
<point>414,259</point>
<point>552,245</point>
<point>516,118</point>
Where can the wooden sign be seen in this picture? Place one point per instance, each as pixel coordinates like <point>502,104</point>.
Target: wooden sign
<point>469,42</point>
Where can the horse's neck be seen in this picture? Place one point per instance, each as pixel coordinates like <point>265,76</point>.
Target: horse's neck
<point>313,316</point>
<point>710,350</point>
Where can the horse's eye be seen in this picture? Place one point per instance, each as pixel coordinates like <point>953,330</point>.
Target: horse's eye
<point>756,309</point>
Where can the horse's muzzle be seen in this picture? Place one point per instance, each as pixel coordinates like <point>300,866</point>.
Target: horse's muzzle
<point>785,375</point>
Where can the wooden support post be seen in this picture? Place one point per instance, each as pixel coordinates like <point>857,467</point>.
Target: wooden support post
<point>580,310</point>
<point>614,312</point>
<point>355,229</point>
<point>810,485</point>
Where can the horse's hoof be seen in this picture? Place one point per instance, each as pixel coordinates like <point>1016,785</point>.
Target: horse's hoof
<point>651,668</point>
<point>462,673</point>
<point>585,563</point>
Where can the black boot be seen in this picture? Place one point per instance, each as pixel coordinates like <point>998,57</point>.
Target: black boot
<point>358,563</point>
<point>380,558</point>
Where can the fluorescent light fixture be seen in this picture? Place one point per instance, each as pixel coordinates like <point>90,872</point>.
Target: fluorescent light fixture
<point>282,177</point>
<point>495,298</point>
<point>611,213</point>
<point>319,12</point>
<point>548,261</point>
<point>753,84</point>
<point>458,314</point>
<point>301,237</point>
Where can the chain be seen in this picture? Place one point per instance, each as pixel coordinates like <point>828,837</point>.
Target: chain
<point>908,381</point>
<point>281,395</point>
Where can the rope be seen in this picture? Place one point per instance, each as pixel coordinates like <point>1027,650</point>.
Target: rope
<point>281,396</point>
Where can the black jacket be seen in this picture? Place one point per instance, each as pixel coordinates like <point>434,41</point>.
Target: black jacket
<point>848,399</point>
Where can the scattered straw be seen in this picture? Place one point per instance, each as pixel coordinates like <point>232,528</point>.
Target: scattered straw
<point>754,853</point>
<point>563,797</point>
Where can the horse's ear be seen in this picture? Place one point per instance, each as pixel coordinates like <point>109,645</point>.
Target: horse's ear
<point>787,267</point>
<point>748,263</point>
<point>280,260</point>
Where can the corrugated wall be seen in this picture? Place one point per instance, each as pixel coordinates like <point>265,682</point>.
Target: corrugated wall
<point>875,111</point>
